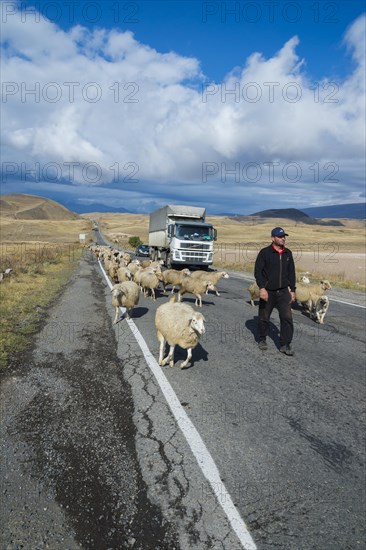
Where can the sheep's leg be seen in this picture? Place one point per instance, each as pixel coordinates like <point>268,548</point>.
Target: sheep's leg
<point>217,292</point>
<point>179,296</point>
<point>252,302</point>
<point>116,317</point>
<point>162,347</point>
<point>169,357</point>
<point>198,301</point>
<point>153,294</point>
<point>189,357</point>
<point>173,288</point>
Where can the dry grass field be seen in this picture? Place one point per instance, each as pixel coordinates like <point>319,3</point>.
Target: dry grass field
<point>336,252</point>
<point>41,254</point>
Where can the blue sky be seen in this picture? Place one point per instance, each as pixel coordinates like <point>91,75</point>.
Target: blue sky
<point>238,106</point>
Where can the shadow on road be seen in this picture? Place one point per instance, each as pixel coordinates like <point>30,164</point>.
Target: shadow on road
<point>273,330</point>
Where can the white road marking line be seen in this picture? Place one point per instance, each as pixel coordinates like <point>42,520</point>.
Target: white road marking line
<point>347,303</point>
<point>194,440</point>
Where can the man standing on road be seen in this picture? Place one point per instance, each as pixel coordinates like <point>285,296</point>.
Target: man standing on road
<point>274,273</point>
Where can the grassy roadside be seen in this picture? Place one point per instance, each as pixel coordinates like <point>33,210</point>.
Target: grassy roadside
<point>38,274</point>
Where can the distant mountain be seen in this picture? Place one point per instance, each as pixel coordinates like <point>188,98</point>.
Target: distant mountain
<point>295,215</point>
<point>355,211</point>
<point>287,213</point>
<point>32,207</point>
<point>94,207</point>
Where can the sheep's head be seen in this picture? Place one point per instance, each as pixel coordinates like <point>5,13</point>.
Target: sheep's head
<point>197,322</point>
<point>325,285</point>
<point>210,286</point>
<point>117,292</point>
<point>304,279</point>
<point>224,275</point>
<point>186,271</point>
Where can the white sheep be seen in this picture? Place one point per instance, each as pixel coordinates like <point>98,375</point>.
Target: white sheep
<point>123,274</point>
<point>127,295</point>
<point>194,286</point>
<point>112,271</point>
<point>178,324</point>
<point>253,290</point>
<point>213,277</point>
<point>141,271</point>
<point>152,263</point>
<point>149,281</point>
<point>173,277</point>
<point>134,266</point>
<point>308,294</point>
<point>127,258</point>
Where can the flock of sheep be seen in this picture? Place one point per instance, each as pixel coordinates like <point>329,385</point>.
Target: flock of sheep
<point>176,322</point>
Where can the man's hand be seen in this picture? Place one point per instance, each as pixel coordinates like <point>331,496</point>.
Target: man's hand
<point>263,294</point>
<point>293,297</point>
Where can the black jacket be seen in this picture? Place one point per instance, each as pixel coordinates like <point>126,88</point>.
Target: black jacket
<point>273,270</point>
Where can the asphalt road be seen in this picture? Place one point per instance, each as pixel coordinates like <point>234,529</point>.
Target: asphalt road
<point>93,457</point>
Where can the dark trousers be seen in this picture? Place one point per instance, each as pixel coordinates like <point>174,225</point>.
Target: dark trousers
<point>281,300</point>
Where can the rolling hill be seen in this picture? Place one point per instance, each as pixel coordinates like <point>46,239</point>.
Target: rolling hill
<point>32,207</point>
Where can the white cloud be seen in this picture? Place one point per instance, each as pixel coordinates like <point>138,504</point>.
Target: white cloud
<point>102,97</point>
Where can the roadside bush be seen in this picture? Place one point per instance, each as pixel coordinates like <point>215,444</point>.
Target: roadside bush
<point>134,241</point>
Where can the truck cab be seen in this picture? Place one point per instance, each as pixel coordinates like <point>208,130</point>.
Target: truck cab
<point>191,243</point>
<point>179,235</point>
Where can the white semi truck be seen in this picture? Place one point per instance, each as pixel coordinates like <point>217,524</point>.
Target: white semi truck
<point>178,235</point>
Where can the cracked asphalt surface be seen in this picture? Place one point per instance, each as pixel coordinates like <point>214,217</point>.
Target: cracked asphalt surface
<point>82,466</point>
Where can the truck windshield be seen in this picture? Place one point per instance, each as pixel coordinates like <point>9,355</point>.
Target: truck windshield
<point>194,233</point>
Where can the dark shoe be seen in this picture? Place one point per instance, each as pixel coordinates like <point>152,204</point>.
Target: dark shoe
<point>262,344</point>
<point>287,350</point>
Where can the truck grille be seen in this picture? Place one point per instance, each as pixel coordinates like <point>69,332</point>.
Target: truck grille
<point>193,255</point>
<point>196,246</point>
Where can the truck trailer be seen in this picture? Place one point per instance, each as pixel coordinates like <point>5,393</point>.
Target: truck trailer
<point>179,235</point>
